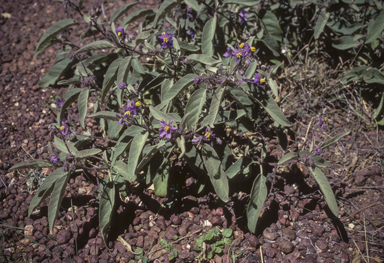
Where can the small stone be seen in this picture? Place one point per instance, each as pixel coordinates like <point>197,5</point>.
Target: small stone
<point>270,234</point>
<point>287,247</point>
<point>170,233</point>
<point>289,233</point>
<point>28,230</point>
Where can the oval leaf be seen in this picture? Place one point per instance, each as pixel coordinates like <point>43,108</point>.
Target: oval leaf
<point>82,105</point>
<point>56,198</point>
<point>97,45</point>
<point>194,107</point>
<point>31,164</point>
<point>179,86</point>
<point>256,202</point>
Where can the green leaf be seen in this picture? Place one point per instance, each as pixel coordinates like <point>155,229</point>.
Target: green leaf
<point>271,44</point>
<point>256,202</point>
<point>181,143</point>
<point>159,115</point>
<point>62,146</point>
<point>82,105</point>
<point>31,164</point>
<point>110,77</point>
<point>97,45</point>
<point>288,157</point>
<point>56,198</point>
<point>45,40</point>
<point>45,189</point>
<point>216,172</point>
<point>320,162</point>
<point>144,35</point>
<point>269,104</point>
<point>70,97</point>
<point>108,115</point>
<point>251,69</point>
<point>137,146</point>
<point>208,35</point>
<point>160,181</point>
<point>165,8</point>
<point>121,11</point>
<point>321,22</point>
<point>152,152</point>
<point>194,107</point>
<point>242,2</point>
<point>179,86</point>
<point>215,105</point>
<point>272,25</point>
<point>185,46</point>
<point>56,72</point>
<point>333,140</point>
<point>74,81</point>
<point>237,167</point>
<point>122,168</point>
<point>87,153</point>
<point>378,110</point>
<point>136,15</point>
<point>204,59</point>
<point>123,70</point>
<point>345,42</point>
<point>106,207</point>
<point>137,66</point>
<point>227,232</point>
<point>376,29</point>
<point>326,189</point>
<point>165,86</point>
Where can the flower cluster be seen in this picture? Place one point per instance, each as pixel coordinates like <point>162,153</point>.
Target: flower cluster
<point>209,136</point>
<point>166,130</point>
<point>257,80</point>
<point>243,16</point>
<point>59,103</point>
<point>244,50</point>
<point>54,159</point>
<point>131,109</point>
<point>64,128</point>
<point>122,85</point>
<point>165,40</point>
<point>120,31</point>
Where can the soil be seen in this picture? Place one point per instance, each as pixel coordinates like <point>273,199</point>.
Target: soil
<point>296,225</point>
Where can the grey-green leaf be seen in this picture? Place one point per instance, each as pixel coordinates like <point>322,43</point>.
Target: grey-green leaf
<point>288,157</point>
<point>137,146</point>
<point>326,189</point>
<point>164,8</point>
<point>256,202</point>
<point>215,105</point>
<point>107,203</point>
<point>204,59</point>
<point>216,172</point>
<point>82,105</point>
<point>45,189</point>
<point>121,11</point>
<point>376,29</point>
<point>31,164</point>
<point>123,70</point>
<point>334,139</point>
<point>56,72</point>
<point>110,77</point>
<point>108,115</point>
<point>194,107</point>
<point>45,40</point>
<point>136,15</point>
<point>208,35</point>
<point>321,22</point>
<point>179,86</point>
<point>87,153</point>
<point>122,168</point>
<point>159,115</point>
<point>97,45</point>
<point>56,198</point>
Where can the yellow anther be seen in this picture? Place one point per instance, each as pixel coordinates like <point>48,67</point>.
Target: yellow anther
<point>253,49</point>
<point>238,55</point>
<point>166,40</point>
<point>262,80</point>
<point>163,33</point>
<point>241,45</point>
<point>207,135</point>
<point>119,34</point>
<point>127,113</point>
<point>167,128</point>
<point>326,119</point>
<point>138,104</point>
<point>62,127</point>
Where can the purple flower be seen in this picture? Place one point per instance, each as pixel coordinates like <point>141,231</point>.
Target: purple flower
<point>165,40</point>
<point>243,16</point>
<point>122,85</point>
<point>166,130</point>
<point>54,159</point>
<point>197,140</point>
<point>64,128</point>
<point>59,102</point>
<point>208,134</point>
<point>192,32</point>
<point>120,31</point>
<point>198,80</point>
<point>318,151</point>
<point>132,108</point>
<point>257,80</point>
<point>228,53</point>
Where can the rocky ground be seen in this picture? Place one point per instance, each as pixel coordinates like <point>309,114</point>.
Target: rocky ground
<point>296,226</point>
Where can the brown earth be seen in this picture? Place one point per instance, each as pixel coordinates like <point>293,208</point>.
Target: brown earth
<point>295,225</point>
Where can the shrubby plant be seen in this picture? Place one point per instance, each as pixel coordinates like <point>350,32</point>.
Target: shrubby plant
<point>195,74</point>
